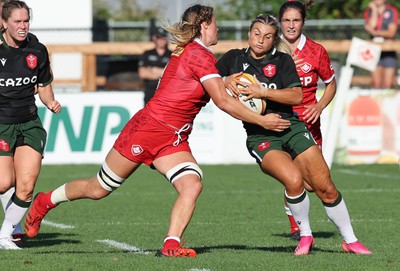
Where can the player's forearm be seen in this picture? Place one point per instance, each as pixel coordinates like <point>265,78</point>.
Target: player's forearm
<point>329,94</point>
<point>292,96</point>
<point>46,94</point>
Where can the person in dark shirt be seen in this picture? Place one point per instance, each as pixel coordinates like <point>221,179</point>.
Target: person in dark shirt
<point>18,234</point>
<point>25,71</point>
<point>152,62</point>
<point>291,155</point>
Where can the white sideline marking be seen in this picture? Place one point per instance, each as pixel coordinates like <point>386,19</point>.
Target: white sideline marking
<point>366,173</point>
<point>370,190</point>
<point>57,225</point>
<point>197,269</point>
<point>123,246</point>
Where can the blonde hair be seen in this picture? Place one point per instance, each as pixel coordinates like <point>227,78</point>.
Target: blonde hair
<point>189,27</point>
<point>270,20</point>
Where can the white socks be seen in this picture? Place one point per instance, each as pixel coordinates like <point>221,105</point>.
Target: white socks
<point>5,202</point>
<point>339,215</point>
<point>176,238</point>
<point>300,208</point>
<point>14,214</point>
<point>6,197</point>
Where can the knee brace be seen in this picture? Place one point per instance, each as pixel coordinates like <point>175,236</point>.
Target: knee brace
<point>183,169</point>
<point>108,179</point>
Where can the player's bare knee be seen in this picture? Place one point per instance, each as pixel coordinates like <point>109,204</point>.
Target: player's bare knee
<point>108,180</point>
<point>6,182</point>
<point>188,186</point>
<point>190,192</point>
<point>4,188</point>
<point>294,186</point>
<point>330,195</point>
<point>327,192</point>
<point>99,194</point>
<point>195,189</point>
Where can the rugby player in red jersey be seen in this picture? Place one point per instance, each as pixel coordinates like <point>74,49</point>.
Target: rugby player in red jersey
<point>157,135</point>
<point>312,63</point>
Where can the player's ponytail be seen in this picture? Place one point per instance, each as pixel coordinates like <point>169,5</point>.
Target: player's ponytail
<point>189,27</point>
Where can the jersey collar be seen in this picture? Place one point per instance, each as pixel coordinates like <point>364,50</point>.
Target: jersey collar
<point>267,56</point>
<point>4,42</point>
<point>302,42</point>
<point>201,43</point>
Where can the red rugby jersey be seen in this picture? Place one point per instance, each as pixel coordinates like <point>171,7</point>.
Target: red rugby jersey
<point>315,64</point>
<point>180,94</point>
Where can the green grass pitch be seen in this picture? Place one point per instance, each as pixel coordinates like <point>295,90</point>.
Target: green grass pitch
<point>239,224</point>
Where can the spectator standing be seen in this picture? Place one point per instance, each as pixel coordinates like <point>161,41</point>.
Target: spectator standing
<point>153,62</point>
<point>381,22</point>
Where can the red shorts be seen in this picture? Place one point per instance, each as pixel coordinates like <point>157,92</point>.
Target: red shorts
<point>316,132</point>
<point>144,139</point>
<point>315,128</point>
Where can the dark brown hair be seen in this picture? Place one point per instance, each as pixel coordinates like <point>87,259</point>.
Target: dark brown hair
<point>300,6</point>
<point>8,7</point>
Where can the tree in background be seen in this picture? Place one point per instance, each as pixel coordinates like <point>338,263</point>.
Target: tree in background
<point>128,10</point>
<point>101,10</point>
<point>131,11</point>
<point>321,9</point>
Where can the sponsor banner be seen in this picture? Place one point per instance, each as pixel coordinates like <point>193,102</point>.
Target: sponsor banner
<point>89,123</point>
<point>370,130</point>
<point>218,138</point>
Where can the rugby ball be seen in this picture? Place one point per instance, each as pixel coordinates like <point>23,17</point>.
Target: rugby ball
<point>254,104</point>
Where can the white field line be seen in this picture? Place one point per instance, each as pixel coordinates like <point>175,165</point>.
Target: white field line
<point>112,243</point>
<point>370,174</point>
<point>57,225</point>
<point>123,246</point>
<point>370,190</point>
